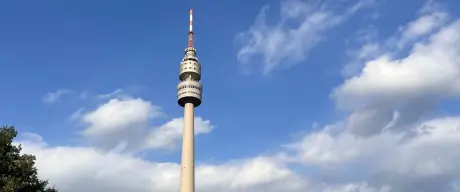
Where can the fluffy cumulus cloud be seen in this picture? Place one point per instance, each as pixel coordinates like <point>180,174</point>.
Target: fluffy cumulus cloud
<point>431,18</point>
<point>301,26</point>
<point>89,169</point>
<point>126,124</point>
<point>386,144</point>
<point>423,159</point>
<point>392,90</point>
<point>116,115</point>
<point>386,140</point>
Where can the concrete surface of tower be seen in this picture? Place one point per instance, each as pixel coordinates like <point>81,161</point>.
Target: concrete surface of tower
<point>189,96</point>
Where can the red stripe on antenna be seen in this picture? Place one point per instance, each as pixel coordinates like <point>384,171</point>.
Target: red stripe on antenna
<point>190,31</point>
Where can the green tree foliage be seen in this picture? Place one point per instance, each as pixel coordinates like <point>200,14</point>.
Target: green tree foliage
<point>17,171</point>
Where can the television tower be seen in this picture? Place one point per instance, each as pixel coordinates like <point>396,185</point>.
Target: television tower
<point>189,96</point>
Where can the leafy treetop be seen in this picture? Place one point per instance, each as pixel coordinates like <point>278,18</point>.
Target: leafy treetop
<point>17,171</point>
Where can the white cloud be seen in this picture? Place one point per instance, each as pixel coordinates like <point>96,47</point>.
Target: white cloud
<point>422,159</point>
<point>119,114</point>
<point>116,93</point>
<point>431,17</point>
<point>125,124</point>
<point>301,26</point>
<point>391,91</point>
<point>75,169</point>
<point>382,143</point>
<point>170,133</point>
<point>120,93</point>
<point>424,25</point>
<point>359,187</point>
<point>119,124</point>
<point>367,48</point>
<point>366,51</point>
<point>54,97</point>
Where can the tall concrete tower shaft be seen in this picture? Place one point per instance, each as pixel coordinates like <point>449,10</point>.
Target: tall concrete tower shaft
<point>189,96</point>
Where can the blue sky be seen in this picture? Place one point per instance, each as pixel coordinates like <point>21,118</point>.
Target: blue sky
<point>100,47</point>
<point>259,94</point>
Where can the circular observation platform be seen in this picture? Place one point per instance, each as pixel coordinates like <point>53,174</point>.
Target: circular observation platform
<point>190,68</point>
<point>189,92</point>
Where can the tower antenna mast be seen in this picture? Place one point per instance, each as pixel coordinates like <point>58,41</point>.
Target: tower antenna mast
<point>190,30</point>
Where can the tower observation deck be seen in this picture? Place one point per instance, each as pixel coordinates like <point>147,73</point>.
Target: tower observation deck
<point>189,92</point>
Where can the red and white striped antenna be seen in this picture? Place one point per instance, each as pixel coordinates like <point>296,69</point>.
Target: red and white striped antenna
<point>191,21</point>
<point>190,30</point>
